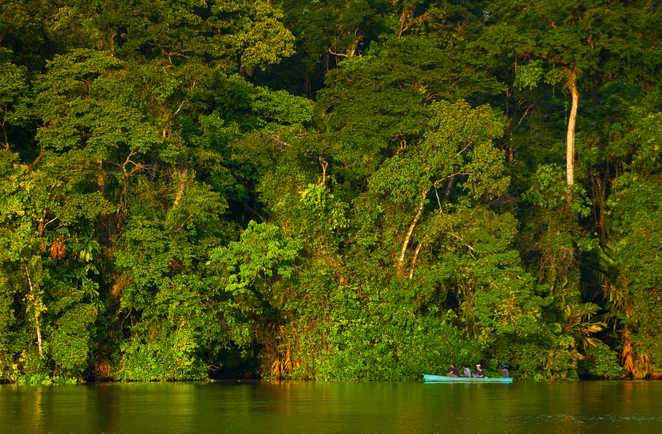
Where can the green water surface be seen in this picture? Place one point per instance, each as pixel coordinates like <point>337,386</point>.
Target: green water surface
<point>308,408</point>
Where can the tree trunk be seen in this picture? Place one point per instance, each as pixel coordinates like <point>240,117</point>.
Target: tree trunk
<point>36,313</point>
<point>413,260</point>
<point>405,244</point>
<point>4,128</point>
<point>402,24</point>
<point>570,139</point>
<point>112,44</point>
<point>599,207</point>
<point>181,177</point>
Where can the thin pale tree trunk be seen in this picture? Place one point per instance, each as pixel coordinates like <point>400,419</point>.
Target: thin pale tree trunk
<point>413,260</point>
<point>405,244</point>
<point>36,313</point>
<point>570,139</point>
<point>181,188</point>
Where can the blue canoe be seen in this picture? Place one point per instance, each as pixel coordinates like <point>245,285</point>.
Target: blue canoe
<point>443,379</point>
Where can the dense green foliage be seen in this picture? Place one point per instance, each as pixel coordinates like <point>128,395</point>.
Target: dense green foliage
<point>358,189</point>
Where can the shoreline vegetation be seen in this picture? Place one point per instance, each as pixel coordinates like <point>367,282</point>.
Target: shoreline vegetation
<point>45,380</point>
<point>352,190</point>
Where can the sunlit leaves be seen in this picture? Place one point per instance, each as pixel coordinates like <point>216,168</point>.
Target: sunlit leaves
<point>261,253</point>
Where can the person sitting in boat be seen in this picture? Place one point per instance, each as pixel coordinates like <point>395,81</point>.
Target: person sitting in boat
<point>453,372</point>
<point>504,371</point>
<point>479,372</point>
<point>466,372</point>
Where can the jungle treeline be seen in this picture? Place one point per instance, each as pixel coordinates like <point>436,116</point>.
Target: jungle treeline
<point>329,189</point>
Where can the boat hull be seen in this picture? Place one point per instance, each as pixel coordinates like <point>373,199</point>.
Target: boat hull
<point>444,379</point>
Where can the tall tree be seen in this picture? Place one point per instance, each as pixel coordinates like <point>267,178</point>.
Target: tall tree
<point>562,42</point>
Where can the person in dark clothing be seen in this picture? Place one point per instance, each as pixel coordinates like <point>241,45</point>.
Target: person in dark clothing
<point>479,372</point>
<point>453,372</point>
<point>504,371</point>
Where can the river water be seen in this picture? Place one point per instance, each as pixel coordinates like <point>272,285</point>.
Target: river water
<point>346,407</point>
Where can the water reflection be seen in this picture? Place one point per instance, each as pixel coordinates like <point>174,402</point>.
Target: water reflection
<point>342,407</point>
